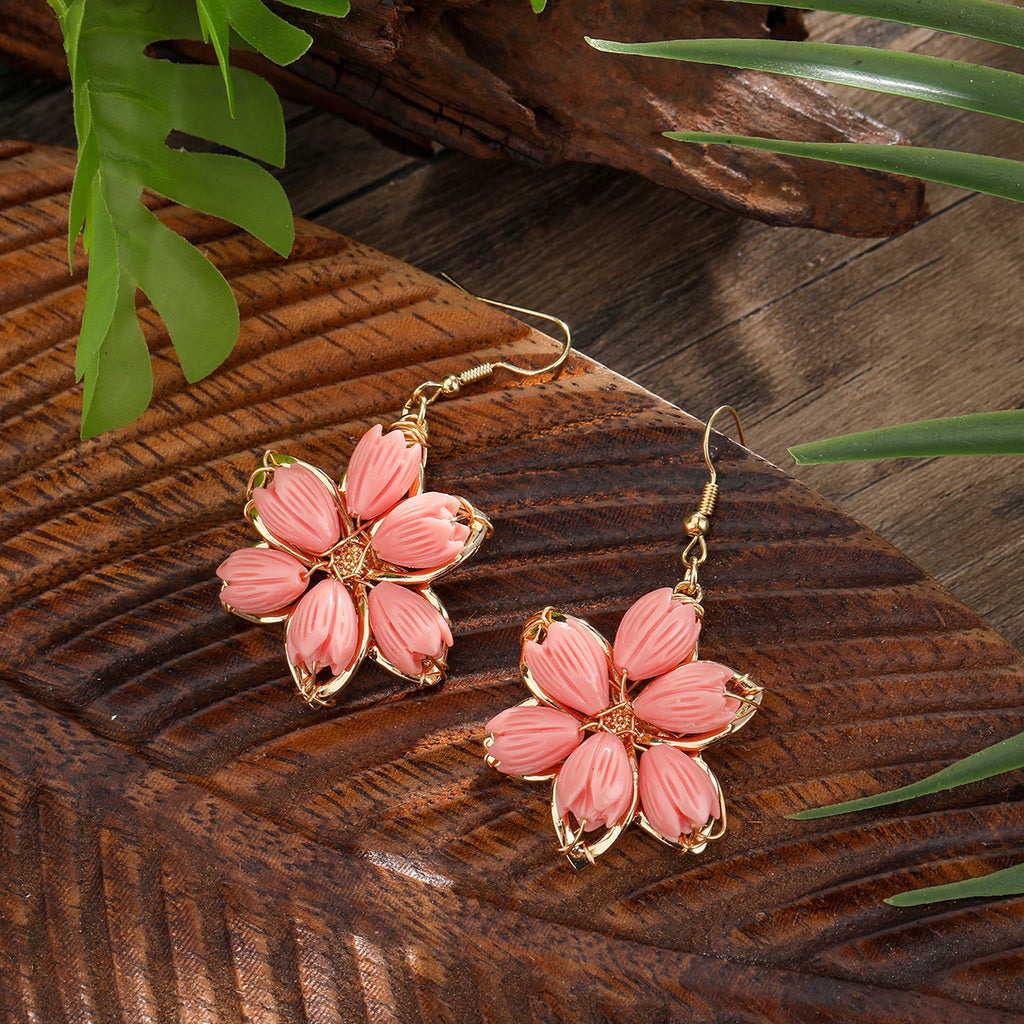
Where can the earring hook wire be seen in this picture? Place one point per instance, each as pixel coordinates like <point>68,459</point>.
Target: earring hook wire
<point>414,411</point>
<point>521,370</point>
<point>707,437</point>
<point>698,523</point>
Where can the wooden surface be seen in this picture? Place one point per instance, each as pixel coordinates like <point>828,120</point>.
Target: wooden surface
<point>495,80</point>
<point>181,837</point>
<point>809,335</point>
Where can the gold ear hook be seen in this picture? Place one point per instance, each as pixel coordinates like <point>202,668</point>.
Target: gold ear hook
<point>415,410</point>
<point>707,436</point>
<point>521,370</point>
<point>699,523</point>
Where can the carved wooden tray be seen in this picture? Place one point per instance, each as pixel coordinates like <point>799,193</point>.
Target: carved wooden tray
<point>182,839</point>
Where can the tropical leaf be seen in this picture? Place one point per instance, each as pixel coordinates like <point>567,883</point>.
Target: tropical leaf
<point>1004,756</point>
<point>1008,882</point>
<point>265,32</point>
<point>985,433</point>
<point>977,19</point>
<point>949,82</point>
<point>126,105</point>
<point>992,175</point>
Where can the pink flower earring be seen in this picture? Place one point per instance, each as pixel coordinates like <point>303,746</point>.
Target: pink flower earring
<point>348,568</point>
<point>615,755</point>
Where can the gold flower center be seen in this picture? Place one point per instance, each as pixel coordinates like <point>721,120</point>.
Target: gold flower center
<point>348,559</point>
<point>618,720</point>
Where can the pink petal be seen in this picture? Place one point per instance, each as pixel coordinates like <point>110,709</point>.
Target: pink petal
<point>570,666</point>
<point>596,782</point>
<point>689,700</point>
<point>381,472</point>
<point>324,628</point>
<point>261,581</point>
<point>532,740</point>
<point>675,793</point>
<point>421,533</point>
<point>408,629</point>
<point>656,634</point>
<point>298,509</point>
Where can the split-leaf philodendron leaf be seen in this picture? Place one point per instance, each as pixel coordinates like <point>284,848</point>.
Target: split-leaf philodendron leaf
<point>126,105</point>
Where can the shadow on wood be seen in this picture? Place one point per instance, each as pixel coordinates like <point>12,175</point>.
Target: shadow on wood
<point>180,836</point>
<point>496,80</point>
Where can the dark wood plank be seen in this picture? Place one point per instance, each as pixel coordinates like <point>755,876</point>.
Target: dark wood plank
<point>811,335</point>
<point>500,81</point>
<point>702,307</point>
<point>182,838</point>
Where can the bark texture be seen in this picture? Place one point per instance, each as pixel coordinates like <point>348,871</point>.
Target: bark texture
<point>181,838</point>
<point>495,80</point>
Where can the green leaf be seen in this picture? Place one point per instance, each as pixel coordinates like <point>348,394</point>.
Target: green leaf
<point>985,433</point>
<point>216,30</point>
<point>119,378</point>
<point>992,175</point>
<point>201,110</point>
<point>332,8</point>
<point>81,190</point>
<point>104,280</point>
<point>1008,882</point>
<point>978,19</point>
<point>231,188</point>
<point>538,5</point>
<point>264,31</point>
<point>1004,756</point>
<point>950,82</point>
<point>126,105</point>
<point>170,271</point>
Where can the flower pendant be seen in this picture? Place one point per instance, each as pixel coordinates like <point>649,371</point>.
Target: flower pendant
<point>614,755</point>
<point>348,568</point>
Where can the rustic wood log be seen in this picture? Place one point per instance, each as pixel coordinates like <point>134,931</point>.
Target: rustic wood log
<point>495,80</point>
<point>181,838</point>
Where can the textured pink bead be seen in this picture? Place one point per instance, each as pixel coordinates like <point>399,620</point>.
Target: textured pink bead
<point>261,581</point>
<point>532,740</point>
<point>298,508</point>
<point>324,628</point>
<point>407,628</point>
<point>689,700</point>
<point>570,666</point>
<point>656,634</point>
<point>381,472</point>
<point>676,795</point>
<point>421,533</point>
<point>596,782</point>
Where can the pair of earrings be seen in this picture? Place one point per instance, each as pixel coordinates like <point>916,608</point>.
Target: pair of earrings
<point>347,568</point>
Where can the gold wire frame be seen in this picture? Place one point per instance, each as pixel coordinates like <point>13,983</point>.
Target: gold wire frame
<point>640,736</point>
<point>572,840</point>
<point>318,694</point>
<point>438,667</point>
<point>480,528</point>
<point>262,475</point>
<point>699,836</point>
<point>742,689</point>
<point>414,434</point>
<point>536,628</point>
<point>353,562</point>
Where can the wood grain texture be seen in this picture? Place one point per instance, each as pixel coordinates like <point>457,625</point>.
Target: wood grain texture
<point>497,81</point>
<point>811,334</point>
<point>182,839</point>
